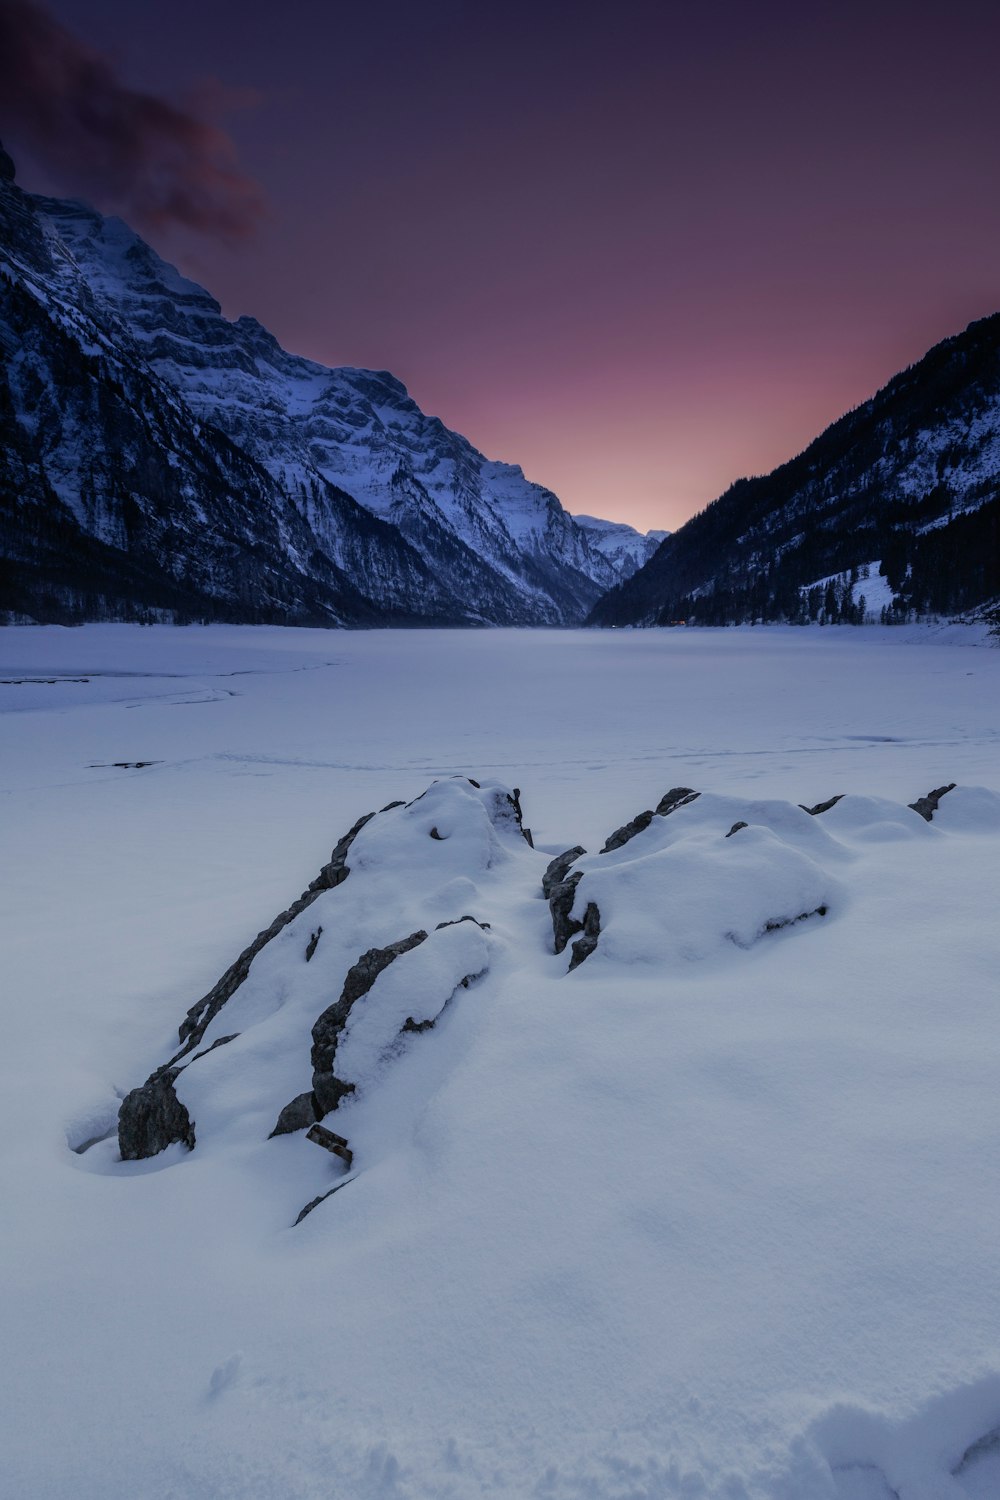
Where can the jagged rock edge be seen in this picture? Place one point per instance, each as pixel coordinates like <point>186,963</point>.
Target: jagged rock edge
<point>321,1198</point>
<point>678,796</point>
<point>201,1015</point>
<point>928,806</point>
<point>822,807</point>
<point>151,1116</point>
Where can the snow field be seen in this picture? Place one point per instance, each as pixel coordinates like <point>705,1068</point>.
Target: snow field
<point>709,1216</point>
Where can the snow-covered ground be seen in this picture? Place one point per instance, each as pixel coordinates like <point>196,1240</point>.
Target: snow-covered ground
<point>873,588</point>
<point>713,1215</point>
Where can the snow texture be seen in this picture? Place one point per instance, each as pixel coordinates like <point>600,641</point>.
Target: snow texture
<point>710,1215</point>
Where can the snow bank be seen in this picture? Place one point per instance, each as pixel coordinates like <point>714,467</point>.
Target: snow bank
<point>703,895</point>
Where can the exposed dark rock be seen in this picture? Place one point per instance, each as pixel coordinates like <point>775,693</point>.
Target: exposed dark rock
<point>300,1113</point>
<point>336,869</point>
<point>7,168</point>
<point>928,806</point>
<point>559,889</point>
<point>220,1041</point>
<point>736,828</point>
<point>584,946</point>
<point>363,974</point>
<point>821,807</point>
<point>436,835</point>
<point>330,1141</point>
<point>678,796</point>
<point>328,1089</point>
<point>112,765</point>
<point>390,805</point>
<point>628,831</point>
<point>200,1016</point>
<point>455,921</point>
<point>315,1202</point>
<point>561,898</point>
<point>557,870</point>
<point>411,1025</point>
<point>514,801</point>
<point>313,942</point>
<point>152,1117</point>
<point>803,916</point>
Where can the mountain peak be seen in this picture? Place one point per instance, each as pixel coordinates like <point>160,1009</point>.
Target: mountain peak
<point>7,169</point>
<point>229,478</point>
<point>625,547</point>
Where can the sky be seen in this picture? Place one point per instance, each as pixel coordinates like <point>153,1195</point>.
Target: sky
<point>641,249</point>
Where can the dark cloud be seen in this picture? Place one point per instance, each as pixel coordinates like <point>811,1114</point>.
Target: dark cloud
<point>155,163</point>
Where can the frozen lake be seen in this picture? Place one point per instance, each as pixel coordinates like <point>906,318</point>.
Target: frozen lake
<point>166,791</point>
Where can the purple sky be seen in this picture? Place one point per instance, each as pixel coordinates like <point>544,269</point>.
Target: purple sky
<point>640,249</point>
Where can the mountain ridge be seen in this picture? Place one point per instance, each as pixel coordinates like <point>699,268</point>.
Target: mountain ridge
<point>619,542</point>
<point>905,485</point>
<point>192,467</point>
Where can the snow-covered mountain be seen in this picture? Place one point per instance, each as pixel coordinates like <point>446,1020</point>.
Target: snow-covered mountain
<point>624,547</point>
<point>892,513</point>
<point>163,458</point>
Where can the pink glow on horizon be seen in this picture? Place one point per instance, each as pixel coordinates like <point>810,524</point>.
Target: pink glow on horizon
<point>640,252</point>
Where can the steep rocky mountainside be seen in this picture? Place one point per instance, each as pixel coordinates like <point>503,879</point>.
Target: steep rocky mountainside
<point>161,461</point>
<point>892,513</point>
<point>624,547</point>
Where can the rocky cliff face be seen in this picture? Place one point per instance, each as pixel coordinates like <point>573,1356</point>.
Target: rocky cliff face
<point>892,513</point>
<point>161,459</point>
<point>114,502</point>
<point>624,547</point>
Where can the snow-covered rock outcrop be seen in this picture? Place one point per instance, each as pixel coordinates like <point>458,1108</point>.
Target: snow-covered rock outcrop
<point>397,942</point>
<point>435,903</point>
